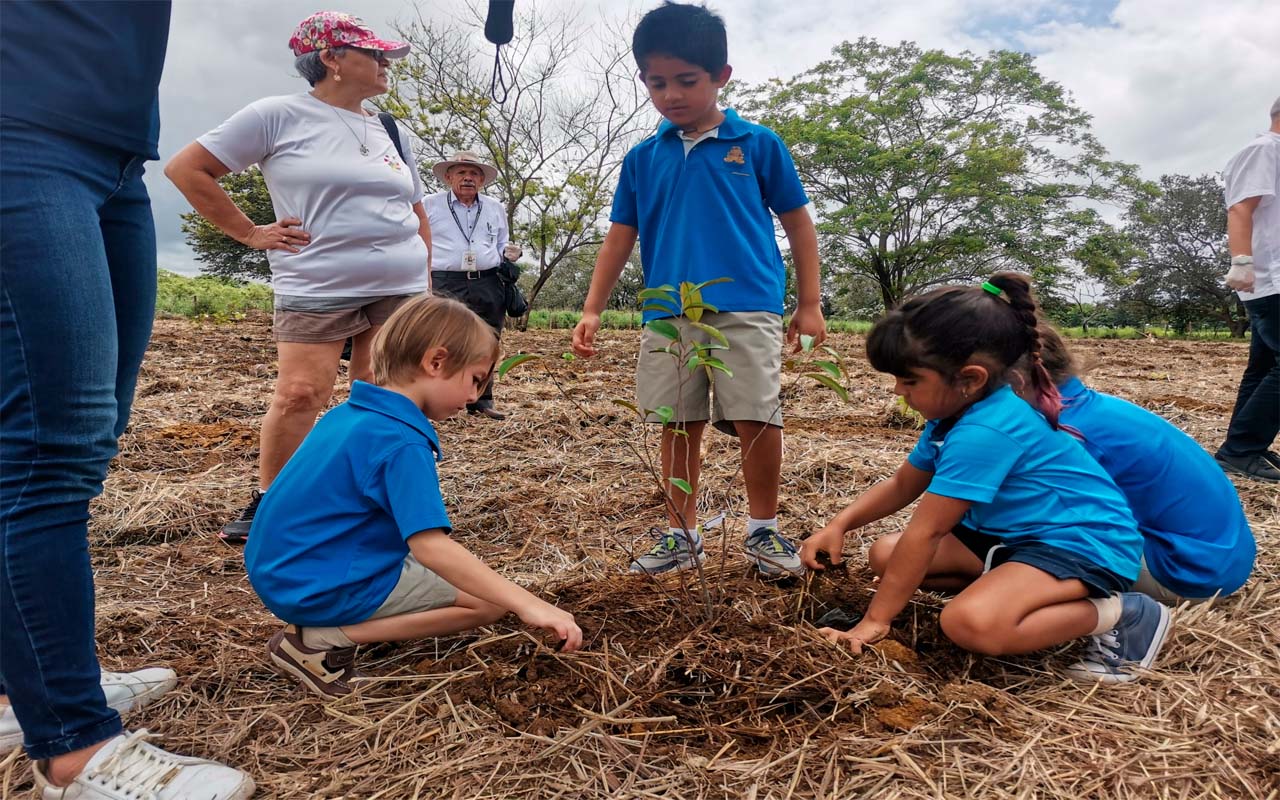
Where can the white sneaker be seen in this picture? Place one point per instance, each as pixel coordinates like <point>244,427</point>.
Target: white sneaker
<point>124,691</point>
<point>128,768</point>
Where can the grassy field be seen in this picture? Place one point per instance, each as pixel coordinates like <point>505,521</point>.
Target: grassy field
<point>220,301</point>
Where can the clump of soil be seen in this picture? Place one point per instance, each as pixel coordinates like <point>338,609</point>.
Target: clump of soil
<point>653,663</point>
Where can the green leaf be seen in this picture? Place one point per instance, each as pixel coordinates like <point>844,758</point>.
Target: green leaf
<point>664,328</point>
<point>715,363</point>
<point>663,307</point>
<point>664,413</point>
<point>830,368</point>
<point>694,362</point>
<point>663,292</point>
<point>806,342</point>
<point>712,282</point>
<point>632,407</point>
<point>713,332</point>
<point>681,484</point>
<point>700,307</point>
<point>829,382</point>
<point>568,356</point>
<point>514,361</point>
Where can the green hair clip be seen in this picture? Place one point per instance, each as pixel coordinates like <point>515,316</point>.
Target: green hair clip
<point>987,286</point>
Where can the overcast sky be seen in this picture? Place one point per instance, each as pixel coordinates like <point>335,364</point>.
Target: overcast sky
<point>1173,85</point>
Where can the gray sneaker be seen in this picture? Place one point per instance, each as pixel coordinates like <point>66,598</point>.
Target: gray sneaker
<point>774,556</point>
<point>670,552</point>
<point>1135,641</point>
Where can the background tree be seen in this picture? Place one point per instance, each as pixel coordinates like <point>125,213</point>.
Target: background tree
<point>1179,240</point>
<point>221,256</point>
<point>573,110</point>
<point>928,168</point>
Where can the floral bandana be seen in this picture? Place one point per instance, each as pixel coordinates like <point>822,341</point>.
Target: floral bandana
<point>325,29</point>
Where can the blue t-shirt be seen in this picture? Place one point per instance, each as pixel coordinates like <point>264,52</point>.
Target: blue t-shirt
<point>87,69</point>
<point>1195,535</point>
<point>706,215</point>
<point>1029,482</point>
<point>329,538</point>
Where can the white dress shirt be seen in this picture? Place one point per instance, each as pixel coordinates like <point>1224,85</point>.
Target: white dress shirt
<point>483,223</point>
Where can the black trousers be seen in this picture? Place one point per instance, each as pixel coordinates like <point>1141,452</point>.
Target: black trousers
<point>1256,417</point>
<point>484,294</point>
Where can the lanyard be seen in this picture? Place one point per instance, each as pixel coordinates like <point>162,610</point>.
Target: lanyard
<point>465,234</point>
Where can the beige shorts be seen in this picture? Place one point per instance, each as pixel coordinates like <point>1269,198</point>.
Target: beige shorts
<point>754,357</point>
<point>314,327</point>
<point>1148,585</point>
<point>419,589</point>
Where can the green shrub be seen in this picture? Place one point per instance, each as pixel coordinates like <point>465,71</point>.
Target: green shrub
<point>208,298</point>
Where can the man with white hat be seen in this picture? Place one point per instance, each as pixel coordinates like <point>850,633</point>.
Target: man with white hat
<point>1252,179</point>
<point>470,237</point>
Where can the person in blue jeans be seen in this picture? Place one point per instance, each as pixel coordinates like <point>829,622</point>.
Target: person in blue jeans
<point>77,296</point>
<point>1014,514</point>
<point>1196,541</point>
<point>1252,179</point>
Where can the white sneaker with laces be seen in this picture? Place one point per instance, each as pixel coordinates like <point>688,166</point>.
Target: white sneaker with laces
<point>128,768</point>
<point>124,691</point>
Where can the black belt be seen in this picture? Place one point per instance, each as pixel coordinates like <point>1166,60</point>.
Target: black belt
<point>469,274</point>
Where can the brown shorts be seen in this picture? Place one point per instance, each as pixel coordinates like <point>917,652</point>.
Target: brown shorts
<point>313,327</point>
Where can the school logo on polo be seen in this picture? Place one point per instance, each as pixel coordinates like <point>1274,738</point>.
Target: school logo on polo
<point>735,156</point>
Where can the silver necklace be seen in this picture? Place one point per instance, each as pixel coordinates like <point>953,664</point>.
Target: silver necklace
<point>364,151</point>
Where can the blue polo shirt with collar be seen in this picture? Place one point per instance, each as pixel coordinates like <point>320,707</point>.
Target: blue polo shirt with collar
<point>1196,539</point>
<point>706,215</point>
<point>1029,482</point>
<point>329,538</point>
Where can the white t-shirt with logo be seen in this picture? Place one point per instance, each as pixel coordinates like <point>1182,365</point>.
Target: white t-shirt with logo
<point>357,208</point>
<point>1255,172</point>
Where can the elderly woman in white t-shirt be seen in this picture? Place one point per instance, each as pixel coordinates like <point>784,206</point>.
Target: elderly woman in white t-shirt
<point>351,238</point>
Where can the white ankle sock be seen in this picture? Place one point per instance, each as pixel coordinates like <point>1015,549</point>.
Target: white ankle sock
<point>325,638</point>
<point>1108,613</point>
<point>754,524</point>
<point>695,534</point>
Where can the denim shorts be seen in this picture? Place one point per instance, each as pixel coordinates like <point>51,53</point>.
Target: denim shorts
<point>1061,564</point>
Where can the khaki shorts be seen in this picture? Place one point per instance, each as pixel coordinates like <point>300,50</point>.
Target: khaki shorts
<point>754,357</point>
<point>1148,585</point>
<point>419,589</point>
<point>314,327</point>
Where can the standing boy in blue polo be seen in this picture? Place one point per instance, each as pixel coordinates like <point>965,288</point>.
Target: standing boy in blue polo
<point>698,195</point>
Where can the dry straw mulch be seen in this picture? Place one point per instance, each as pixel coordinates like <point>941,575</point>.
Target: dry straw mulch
<point>662,702</point>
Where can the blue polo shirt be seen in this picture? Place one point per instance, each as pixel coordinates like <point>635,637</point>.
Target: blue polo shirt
<point>1029,482</point>
<point>1195,536</point>
<point>329,538</point>
<point>706,215</point>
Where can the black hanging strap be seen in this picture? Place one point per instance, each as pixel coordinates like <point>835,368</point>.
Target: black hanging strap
<point>389,122</point>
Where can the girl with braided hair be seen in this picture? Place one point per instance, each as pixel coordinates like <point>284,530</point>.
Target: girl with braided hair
<point>1014,514</point>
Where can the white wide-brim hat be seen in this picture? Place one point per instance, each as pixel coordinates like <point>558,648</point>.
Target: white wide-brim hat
<point>465,157</point>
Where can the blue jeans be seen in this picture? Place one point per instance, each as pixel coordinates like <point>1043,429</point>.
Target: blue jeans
<point>77,296</point>
<point>1255,421</point>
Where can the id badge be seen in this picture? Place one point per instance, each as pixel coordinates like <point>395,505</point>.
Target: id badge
<point>469,260</point>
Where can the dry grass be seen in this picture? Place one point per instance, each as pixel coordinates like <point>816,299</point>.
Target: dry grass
<point>750,704</point>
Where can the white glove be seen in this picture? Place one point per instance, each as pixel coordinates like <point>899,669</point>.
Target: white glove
<point>512,252</point>
<point>1240,276</point>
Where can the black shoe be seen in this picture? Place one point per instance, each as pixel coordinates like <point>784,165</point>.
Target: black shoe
<point>488,411</point>
<point>1273,458</point>
<point>237,530</point>
<point>1258,468</point>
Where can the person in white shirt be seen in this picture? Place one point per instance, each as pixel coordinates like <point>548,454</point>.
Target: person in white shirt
<point>1252,178</point>
<point>351,240</point>
<point>471,238</point>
